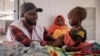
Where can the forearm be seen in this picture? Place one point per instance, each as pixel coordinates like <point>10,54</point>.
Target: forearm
<point>78,41</point>
<point>57,43</point>
<point>47,36</point>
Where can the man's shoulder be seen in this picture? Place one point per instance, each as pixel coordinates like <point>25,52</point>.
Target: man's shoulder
<point>15,22</point>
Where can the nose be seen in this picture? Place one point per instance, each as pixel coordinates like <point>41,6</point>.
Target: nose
<point>34,17</point>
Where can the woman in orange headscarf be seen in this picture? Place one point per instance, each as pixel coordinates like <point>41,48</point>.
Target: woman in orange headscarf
<point>59,27</point>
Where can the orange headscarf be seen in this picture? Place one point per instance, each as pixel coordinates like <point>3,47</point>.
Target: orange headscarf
<point>59,29</point>
<point>55,26</point>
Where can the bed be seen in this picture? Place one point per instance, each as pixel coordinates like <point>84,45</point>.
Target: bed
<point>94,50</point>
<point>37,50</point>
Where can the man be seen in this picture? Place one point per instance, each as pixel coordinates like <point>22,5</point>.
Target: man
<point>26,30</point>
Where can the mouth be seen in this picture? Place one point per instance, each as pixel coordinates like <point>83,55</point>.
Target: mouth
<point>34,20</point>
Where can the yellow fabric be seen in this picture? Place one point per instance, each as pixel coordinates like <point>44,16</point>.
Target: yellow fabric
<point>81,33</point>
<point>56,30</point>
<point>59,32</point>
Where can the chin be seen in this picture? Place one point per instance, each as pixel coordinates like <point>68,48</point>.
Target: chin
<point>33,23</point>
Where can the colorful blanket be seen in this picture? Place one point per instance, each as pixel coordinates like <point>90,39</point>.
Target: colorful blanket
<point>55,51</point>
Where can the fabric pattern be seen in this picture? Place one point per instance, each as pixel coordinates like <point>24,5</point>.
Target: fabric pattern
<point>55,51</point>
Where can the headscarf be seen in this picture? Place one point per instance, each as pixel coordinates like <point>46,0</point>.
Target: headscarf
<point>57,30</point>
<point>55,26</point>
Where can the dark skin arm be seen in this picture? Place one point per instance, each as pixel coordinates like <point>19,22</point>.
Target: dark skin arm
<point>78,41</point>
<point>59,42</point>
<point>70,48</point>
<point>47,36</point>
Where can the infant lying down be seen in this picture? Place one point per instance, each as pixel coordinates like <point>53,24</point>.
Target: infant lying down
<point>15,48</point>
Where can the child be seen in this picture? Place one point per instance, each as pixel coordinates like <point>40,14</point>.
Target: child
<point>75,39</point>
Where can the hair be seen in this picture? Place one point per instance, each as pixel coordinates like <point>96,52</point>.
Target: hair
<point>78,12</point>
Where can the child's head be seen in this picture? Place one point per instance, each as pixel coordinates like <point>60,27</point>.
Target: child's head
<point>59,20</point>
<point>76,15</point>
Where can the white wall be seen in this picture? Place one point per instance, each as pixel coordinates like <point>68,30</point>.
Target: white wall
<point>51,8</point>
<point>98,21</point>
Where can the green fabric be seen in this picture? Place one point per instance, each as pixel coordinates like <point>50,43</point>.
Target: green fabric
<point>74,34</point>
<point>60,51</point>
<point>56,49</point>
<point>96,46</point>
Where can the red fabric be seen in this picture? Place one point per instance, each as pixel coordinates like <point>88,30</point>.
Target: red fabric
<point>69,42</point>
<point>1,30</point>
<point>55,26</point>
<point>90,51</point>
<point>20,36</point>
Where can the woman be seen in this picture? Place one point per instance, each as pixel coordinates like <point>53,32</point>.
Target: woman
<point>59,27</point>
